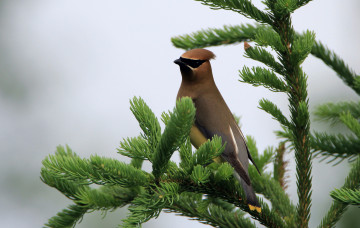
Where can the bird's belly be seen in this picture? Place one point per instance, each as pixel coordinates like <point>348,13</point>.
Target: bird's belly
<point>196,137</point>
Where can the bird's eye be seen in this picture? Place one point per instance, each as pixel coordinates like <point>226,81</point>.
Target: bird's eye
<point>194,63</point>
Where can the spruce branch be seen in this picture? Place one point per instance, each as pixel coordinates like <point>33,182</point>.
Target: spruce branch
<point>136,163</point>
<point>79,191</point>
<point>282,8</point>
<point>302,47</point>
<point>199,188</point>
<point>301,3</point>
<point>224,172</point>
<point>149,204</point>
<point>259,76</point>
<point>298,104</point>
<point>207,152</point>
<point>231,192</point>
<point>165,117</point>
<point>346,196</point>
<point>273,110</point>
<point>337,208</point>
<point>243,7</point>
<point>111,171</point>
<point>352,123</point>
<point>273,191</point>
<point>98,170</point>
<point>300,133</point>
<point>175,133</point>
<point>215,37</point>
<point>136,147</point>
<point>327,146</point>
<point>331,111</point>
<point>230,34</point>
<point>280,166</point>
<point>287,137</point>
<point>337,64</point>
<point>200,175</point>
<point>207,211</point>
<point>357,82</point>
<point>185,152</point>
<point>266,36</point>
<point>221,203</point>
<point>104,198</point>
<point>67,217</point>
<point>335,147</point>
<point>67,187</point>
<point>262,55</point>
<point>266,158</point>
<point>144,207</point>
<point>267,186</point>
<point>147,121</point>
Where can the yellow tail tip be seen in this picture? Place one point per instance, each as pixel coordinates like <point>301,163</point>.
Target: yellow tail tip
<point>252,208</point>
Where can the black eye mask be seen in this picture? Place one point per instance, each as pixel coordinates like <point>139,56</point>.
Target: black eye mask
<point>194,63</point>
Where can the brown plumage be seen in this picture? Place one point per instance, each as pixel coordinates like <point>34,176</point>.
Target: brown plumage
<point>199,53</point>
<point>213,117</point>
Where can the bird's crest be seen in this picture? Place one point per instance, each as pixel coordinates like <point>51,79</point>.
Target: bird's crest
<point>198,54</point>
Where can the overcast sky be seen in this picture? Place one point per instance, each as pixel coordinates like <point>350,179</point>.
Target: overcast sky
<point>69,68</point>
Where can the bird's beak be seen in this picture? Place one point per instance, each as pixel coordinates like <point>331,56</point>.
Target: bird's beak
<point>180,63</point>
<point>183,66</point>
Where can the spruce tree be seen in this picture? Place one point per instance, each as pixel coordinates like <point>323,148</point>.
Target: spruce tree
<point>199,188</point>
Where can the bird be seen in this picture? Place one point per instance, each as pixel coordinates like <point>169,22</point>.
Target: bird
<point>213,117</point>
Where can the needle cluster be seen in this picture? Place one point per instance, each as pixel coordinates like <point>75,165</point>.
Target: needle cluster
<point>283,73</point>
<point>199,188</point>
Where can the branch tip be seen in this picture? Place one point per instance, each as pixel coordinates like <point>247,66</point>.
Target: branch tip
<point>246,46</point>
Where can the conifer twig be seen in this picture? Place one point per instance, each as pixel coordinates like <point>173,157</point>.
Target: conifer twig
<point>244,7</point>
<point>347,196</point>
<point>280,166</point>
<point>192,205</point>
<point>229,34</point>
<point>67,217</point>
<point>331,59</point>
<point>301,3</point>
<point>199,188</point>
<point>233,194</point>
<point>335,147</point>
<point>273,110</point>
<point>258,76</point>
<point>175,133</point>
<point>297,50</point>
<point>351,122</point>
<point>331,111</point>
<point>337,209</point>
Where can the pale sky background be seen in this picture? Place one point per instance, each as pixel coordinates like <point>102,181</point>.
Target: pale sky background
<point>69,68</point>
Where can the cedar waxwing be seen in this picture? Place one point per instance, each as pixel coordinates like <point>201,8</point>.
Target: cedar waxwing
<point>213,117</point>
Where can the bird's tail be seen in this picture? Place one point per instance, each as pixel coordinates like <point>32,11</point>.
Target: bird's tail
<point>251,199</point>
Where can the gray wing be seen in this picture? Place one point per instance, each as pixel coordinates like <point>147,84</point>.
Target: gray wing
<point>241,141</point>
